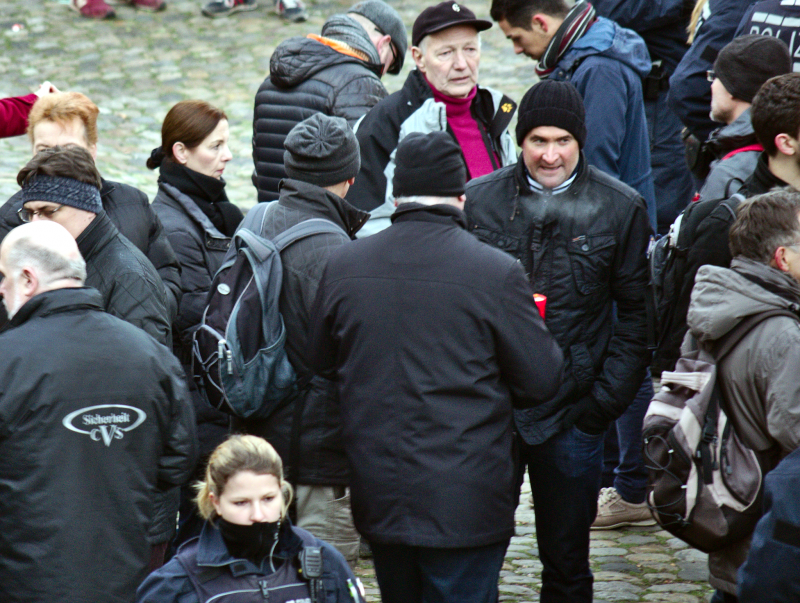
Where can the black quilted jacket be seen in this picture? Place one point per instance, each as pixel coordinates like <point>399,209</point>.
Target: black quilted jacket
<point>306,77</point>
<point>130,286</point>
<point>130,211</point>
<point>322,459</point>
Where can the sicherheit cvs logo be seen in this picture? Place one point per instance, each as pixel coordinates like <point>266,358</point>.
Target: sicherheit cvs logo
<point>106,422</point>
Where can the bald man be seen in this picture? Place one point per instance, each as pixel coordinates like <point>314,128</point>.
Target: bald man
<point>95,421</point>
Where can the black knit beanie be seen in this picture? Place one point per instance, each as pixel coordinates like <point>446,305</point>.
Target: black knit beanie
<point>552,103</point>
<point>748,61</point>
<point>429,165</point>
<point>322,150</point>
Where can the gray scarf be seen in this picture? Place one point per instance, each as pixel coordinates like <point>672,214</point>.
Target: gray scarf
<point>345,29</point>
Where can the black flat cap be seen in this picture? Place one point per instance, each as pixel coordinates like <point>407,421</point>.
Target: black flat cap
<point>444,15</point>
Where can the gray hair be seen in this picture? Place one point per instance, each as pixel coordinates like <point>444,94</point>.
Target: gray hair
<point>52,265</point>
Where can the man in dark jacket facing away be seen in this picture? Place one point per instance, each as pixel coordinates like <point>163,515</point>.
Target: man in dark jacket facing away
<point>68,118</point>
<point>428,428</point>
<point>63,185</point>
<point>321,160</point>
<point>94,418</point>
<point>582,237</point>
<point>338,73</point>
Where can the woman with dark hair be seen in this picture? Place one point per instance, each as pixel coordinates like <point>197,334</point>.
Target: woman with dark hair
<point>199,222</point>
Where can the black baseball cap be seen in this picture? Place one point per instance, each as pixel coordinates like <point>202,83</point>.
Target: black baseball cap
<point>444,15</point>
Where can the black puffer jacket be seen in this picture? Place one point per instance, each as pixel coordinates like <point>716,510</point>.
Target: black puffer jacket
<point>200,248</point>
<point>306,77</point>
<point>433,336</point>
<point>322,460</point>
<point>130,211</point>
<point>585,249</point>
<point>83,474</point>
<point>129,284</point>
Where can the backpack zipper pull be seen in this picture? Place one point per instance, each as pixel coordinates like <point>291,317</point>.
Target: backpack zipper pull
<point>229,355</point>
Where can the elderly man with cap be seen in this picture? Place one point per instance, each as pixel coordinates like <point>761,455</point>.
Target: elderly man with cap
<point>582,238</point>
<point>338,73</point>
<point>739,71</point>
<point>62,184</point>
<point>321,161</point>
<point>441,94</point>
<point>433,338</point>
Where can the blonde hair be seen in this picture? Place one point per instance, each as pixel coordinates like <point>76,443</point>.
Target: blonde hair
<point>239,453</point>
<point>695,19</point>
<point>62,108</point>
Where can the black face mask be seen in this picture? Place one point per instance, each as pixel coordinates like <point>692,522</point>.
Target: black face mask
<point>253,542</point>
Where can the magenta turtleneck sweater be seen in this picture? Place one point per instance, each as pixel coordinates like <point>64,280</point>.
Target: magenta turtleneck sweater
<point>466,131</point>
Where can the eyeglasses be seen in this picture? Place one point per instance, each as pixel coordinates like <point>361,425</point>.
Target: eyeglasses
<point>26,215</point>
<point>710,75</point>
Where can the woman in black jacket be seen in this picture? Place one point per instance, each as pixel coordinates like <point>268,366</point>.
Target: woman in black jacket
<point>199,222</point>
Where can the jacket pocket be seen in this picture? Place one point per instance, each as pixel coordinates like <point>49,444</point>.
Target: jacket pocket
<point>590,258</point>
<point>500,240</point>
<point>582,366</point>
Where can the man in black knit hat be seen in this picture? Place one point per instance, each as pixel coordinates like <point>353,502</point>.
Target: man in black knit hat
<point>582,237</point>
<point>321,160</point>
<point>433,337</point>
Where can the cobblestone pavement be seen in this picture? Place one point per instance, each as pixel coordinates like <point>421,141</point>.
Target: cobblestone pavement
<point>136,67</point>
<point>629,564</point>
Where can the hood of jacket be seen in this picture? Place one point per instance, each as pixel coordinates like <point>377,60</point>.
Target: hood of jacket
<point>723,297</point>
<point>297,59</point>
<point>732,136</point>
<point>608,39</point>
<point>302,195</point>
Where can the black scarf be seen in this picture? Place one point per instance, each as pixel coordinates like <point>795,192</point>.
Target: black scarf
<point>575,24</point>
<point>253,542</point>
<point>208,194</point>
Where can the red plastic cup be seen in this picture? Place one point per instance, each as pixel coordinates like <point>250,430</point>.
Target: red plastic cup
<point>541,302</point>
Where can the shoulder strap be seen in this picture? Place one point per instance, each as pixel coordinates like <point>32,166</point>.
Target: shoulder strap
<point>744,327</point>
<point>306,229</point>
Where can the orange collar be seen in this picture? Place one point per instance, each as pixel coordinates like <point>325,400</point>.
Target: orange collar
<point>339,47</point>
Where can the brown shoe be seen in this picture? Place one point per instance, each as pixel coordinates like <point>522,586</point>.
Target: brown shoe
<point>614,512</point>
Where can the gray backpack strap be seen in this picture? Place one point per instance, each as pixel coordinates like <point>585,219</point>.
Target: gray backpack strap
<point>305,229</point>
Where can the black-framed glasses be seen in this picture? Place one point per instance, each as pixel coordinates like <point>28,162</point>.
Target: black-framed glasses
<point>26,215</point>
<point>710,75</point>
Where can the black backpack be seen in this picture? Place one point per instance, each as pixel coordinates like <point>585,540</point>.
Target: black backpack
<point>704,485</point>
<point>238,355</point>
<point>669,271</point>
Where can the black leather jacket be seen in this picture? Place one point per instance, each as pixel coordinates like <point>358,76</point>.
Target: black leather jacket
<point>585,249</point>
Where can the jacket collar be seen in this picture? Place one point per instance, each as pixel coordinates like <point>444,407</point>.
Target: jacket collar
<point>439,214</point>
<point>296,194</point>
<point>96,236</point>
<point>212,551</point>
<point>521,175</point>
<point>190,208</point>
<point>57,301</point>
<point>737,134</point>
<point>762,180</point>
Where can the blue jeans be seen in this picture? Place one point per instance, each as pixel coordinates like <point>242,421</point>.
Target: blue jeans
<point>413,574</point>
<point>672,180</point>
<point>565,481</point>
<point>623,465</point>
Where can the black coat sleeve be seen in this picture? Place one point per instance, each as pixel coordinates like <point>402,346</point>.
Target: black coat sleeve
<point>357,97</point>
<point>530,359</point>
<point>140,301</point>
<point>179,455</point>
<point>627,356</point>
<point>162,256</point>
